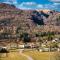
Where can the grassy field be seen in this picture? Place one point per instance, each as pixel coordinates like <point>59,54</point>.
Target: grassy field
<point>41,55</point>
<point>34,54</point>
<point>13,56</point>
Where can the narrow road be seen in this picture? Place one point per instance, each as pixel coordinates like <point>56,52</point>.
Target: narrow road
<point>28,57</point>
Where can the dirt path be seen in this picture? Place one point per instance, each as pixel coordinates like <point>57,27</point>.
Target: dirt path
<point>28,57</point>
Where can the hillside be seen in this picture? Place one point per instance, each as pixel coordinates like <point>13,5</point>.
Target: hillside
<point>6,6</point>
<point>13,20</point>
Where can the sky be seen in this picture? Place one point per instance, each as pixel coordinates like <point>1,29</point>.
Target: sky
<point>34,4</point>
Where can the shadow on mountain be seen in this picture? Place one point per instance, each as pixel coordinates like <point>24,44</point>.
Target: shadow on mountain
<point>37,18</point>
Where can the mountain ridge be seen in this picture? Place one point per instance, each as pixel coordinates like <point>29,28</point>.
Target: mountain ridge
<point>28,20</point>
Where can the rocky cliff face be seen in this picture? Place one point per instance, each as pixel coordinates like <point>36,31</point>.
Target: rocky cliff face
<point>12,19</point>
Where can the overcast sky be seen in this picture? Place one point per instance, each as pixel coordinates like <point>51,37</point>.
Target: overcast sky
<point>34,4</point>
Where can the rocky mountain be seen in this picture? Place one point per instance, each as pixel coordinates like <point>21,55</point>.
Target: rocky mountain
<point>14,20</point>
<point>6,6</point>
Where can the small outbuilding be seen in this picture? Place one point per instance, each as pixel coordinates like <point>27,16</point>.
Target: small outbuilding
<point>3,52</point>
